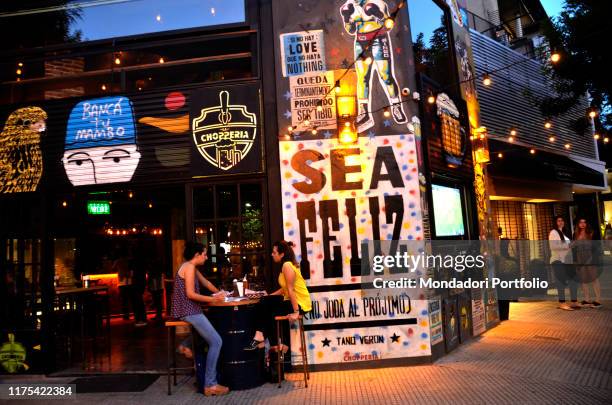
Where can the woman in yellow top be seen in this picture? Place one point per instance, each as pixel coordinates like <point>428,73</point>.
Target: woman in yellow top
<point>293,289</point>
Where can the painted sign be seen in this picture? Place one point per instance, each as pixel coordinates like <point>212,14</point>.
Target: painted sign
<point>21,161</point>
<point>435,321</point>
<point>307,91</point>
<point>100,142</point>
<point>338,197</point>
<point>478,312</point>
<point>302,53</point>
<point>224,131</point>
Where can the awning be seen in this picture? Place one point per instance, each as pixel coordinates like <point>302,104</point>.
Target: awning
<point>518,162</point>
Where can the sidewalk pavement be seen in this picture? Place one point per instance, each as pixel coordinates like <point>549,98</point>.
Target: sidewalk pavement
<point>542,355</point>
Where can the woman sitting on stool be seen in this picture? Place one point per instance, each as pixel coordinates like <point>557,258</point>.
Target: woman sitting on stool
<point>293,289</point>
<point>186,301</point>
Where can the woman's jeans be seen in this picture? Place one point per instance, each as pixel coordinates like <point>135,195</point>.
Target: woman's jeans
<point>565,275</point>
<point>210,335</point>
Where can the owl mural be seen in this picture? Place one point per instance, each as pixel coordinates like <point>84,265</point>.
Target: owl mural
<point>21,163</point>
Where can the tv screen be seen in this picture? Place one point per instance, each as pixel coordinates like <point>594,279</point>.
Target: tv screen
<point>448,212</point>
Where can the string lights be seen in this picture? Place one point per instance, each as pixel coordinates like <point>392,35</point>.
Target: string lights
<point>347,133</point>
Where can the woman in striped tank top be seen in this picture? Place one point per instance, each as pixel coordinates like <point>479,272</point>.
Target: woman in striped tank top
<point>186,301</point>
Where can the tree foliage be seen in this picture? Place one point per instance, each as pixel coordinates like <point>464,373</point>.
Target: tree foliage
<point>580,35</point>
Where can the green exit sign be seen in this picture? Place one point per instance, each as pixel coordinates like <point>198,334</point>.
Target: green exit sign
<point>98,207</point>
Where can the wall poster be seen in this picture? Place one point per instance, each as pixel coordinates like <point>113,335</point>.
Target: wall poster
<point>337,196</point>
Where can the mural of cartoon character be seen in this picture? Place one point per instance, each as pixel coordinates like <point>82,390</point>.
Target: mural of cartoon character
<point>101,142</point>
<point>13,355</point>
<point>365,19</point>
<point>21,163</point>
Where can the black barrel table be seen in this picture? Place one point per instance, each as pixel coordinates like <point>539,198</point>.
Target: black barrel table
<point>239,369</point>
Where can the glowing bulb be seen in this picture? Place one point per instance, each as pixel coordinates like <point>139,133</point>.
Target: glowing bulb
<point>511,139</point>
<point>596,136</point>
<point>103,87</point>
<point>158,18</point>
<point>431,99</point>
<point>389,23</point>
<point>552,139</point>
<point>64,204</point>
<point>567,146</point>
<point>500,155</point>
<point>337,87</point>
<point>18,71</point>
<point>20,64</point>
<point>306,122</point>
<point>555,57</point>
<point>532,151</point>
<point>150,205</point>
<point>314,131</point>
<point>513,132</point>
<point>347,136</point>
<point>117,61</point>
<point>319,106</point>
<point>486,80</point>
<point>133,229</point>
<point>606,140</point>
<point>289,128</point>
<point>592,114</point>
<point>130,194</point>
<point>162,60</point>
<point>547,124</point>
<point>387,113</point>
<point>347,124</point>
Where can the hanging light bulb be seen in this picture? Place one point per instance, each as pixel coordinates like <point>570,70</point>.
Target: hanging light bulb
<point>510,139</point>
<point>567,146</point>
<point>307,122</point>
<point>431,99</point>
<point>555,57</point>
<point>389,23</point>
<point>117,59</point>
<point>337,86</point>
<point>289,128</point>
<point>592,112</point>
<point>319,105</point>
<point>513,132</point>
<point>596,136</point>
<point>551,139</point>
<point>486,79</point>
<point>314,131</point>
<point>500,155</point>
<point>386,112</point>
<point>103,87</point>
<point>532,151</point>
<point>606,140</point>
<point>162,60</point>
<point>547,124</point>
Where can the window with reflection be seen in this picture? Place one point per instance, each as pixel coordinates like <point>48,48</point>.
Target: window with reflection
<point>430,39</point>
<point>229,220</point>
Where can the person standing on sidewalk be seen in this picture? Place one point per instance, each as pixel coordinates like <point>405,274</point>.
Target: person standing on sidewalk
<point>583,255</point>
<point>561,261</point>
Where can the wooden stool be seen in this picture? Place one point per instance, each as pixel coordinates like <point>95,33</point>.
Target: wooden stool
<point>172,368</point>
<point>278,320</point>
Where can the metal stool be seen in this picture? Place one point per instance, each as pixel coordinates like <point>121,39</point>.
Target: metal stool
<point>280,358</point>
<point>172,368</point>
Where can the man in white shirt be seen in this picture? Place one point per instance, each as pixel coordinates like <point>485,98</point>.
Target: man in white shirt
<point>561,261</point>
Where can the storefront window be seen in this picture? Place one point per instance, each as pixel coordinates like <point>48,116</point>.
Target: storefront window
<point>430,38</point>
<point>90,20</point>
<point>232,229</point>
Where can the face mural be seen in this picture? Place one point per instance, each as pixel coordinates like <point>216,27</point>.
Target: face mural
<point>101,142</point>
<point>369,22</point>
<point>21,164</point>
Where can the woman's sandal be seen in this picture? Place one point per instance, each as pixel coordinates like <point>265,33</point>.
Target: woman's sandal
<point>254,345</point>
<point>215,390</point>
<point>185,351</point>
